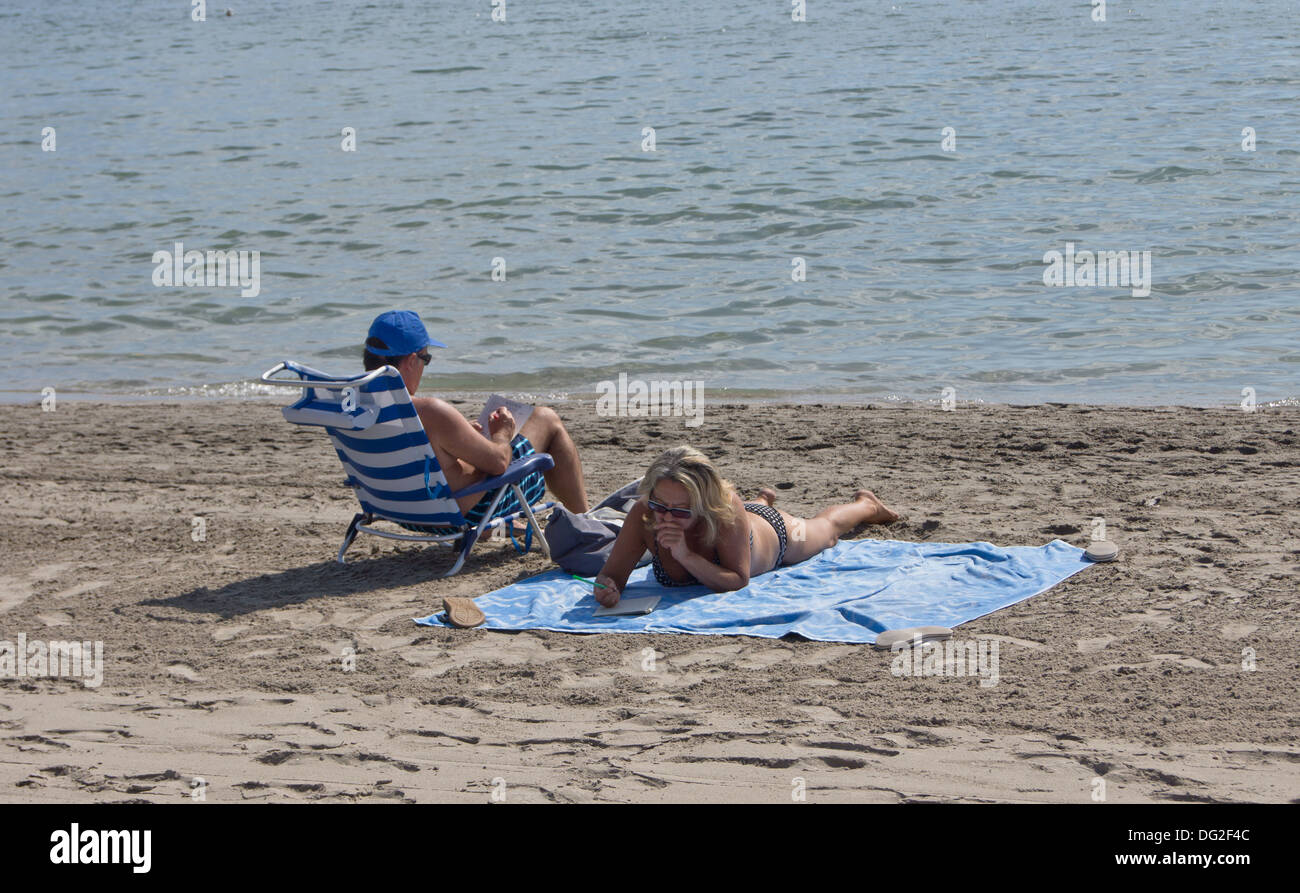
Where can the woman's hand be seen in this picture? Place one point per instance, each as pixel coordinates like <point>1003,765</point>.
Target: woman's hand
<point>673,538</point>
<point>606,596</point>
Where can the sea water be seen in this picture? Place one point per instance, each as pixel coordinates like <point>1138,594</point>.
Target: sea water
<point>837,200</point>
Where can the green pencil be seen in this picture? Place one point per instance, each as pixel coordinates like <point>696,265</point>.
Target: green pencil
<point>592,582</point>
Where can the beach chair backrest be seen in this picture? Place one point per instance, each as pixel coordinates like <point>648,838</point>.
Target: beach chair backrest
<point>378,437</point>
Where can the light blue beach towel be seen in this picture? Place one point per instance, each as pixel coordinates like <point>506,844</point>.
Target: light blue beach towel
<point>849,593</point>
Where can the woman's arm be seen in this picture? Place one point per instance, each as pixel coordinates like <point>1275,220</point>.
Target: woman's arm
<point>627,551</point>
<point>733,553</point>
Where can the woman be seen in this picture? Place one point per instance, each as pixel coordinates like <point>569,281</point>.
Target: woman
<point>699,531</point>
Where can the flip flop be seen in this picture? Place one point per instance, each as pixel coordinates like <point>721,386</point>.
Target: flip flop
<point>889,637</point>
<point>462,612</point>
<point>1101,550</point>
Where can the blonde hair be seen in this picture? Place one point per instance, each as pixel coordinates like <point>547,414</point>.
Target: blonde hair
<point>711,495</point>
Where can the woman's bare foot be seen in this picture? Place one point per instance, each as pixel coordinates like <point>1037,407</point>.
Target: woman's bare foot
<point>879,513</point>
<point>768,495</point>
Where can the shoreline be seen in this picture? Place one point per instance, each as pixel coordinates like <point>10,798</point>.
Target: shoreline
<point>285,396</point>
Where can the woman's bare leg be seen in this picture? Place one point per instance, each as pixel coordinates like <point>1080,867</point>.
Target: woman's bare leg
<point>807,537</point>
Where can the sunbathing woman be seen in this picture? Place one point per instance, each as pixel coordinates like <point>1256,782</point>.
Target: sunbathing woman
<point>699,531</point>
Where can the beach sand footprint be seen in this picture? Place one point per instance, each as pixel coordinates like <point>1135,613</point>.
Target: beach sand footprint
<point>229,632</point>
<point>1092,646</point>
<point>1012,640</point>
<point>436,659</point>
<point>1156,661</point>
<point>674,671</point>
<point>820,713</point>
<point>47,573</point>
<point>296,619</point>
<point>183,671</point>
<point>82,589</point>
<point>13,592</point>
<point>1152,616</point>
<point>262,652</point>
<point>55,618</point>
<point>822,654</point>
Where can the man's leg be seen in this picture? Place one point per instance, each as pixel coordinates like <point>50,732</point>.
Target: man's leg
<point>546,432</point>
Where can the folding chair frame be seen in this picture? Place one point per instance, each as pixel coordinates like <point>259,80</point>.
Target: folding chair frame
<point>467,535</point>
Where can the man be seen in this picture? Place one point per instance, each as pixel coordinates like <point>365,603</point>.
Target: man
<point>466,453</point>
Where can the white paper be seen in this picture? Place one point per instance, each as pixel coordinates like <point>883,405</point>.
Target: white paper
<point>521,412</point>
<point>629,606</point>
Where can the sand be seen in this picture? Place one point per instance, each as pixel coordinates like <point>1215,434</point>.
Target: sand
<point>225,677</point>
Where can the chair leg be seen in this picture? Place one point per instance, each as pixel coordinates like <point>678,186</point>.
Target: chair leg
<point>466,543</point>
<point>532,521</point>
<point>350,535</point>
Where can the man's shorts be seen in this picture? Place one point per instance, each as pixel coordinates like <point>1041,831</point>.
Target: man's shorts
<point>533,485</point>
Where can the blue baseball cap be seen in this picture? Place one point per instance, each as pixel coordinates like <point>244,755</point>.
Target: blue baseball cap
<point>402,331</point>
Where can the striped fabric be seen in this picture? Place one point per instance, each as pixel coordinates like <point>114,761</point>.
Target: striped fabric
<point>389,461</point>
<point>533,487</point>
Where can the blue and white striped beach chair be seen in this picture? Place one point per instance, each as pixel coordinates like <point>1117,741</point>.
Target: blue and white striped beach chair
<point>384,449</point>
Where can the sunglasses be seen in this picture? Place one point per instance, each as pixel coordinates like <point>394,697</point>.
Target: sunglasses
<point>425,357</point>
<point>661,509</point>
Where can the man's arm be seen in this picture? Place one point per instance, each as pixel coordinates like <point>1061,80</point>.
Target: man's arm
<point>449,430</point>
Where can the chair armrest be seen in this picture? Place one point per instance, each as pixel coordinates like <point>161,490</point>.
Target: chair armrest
<point>515,472</point>
<point>314,378</point>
